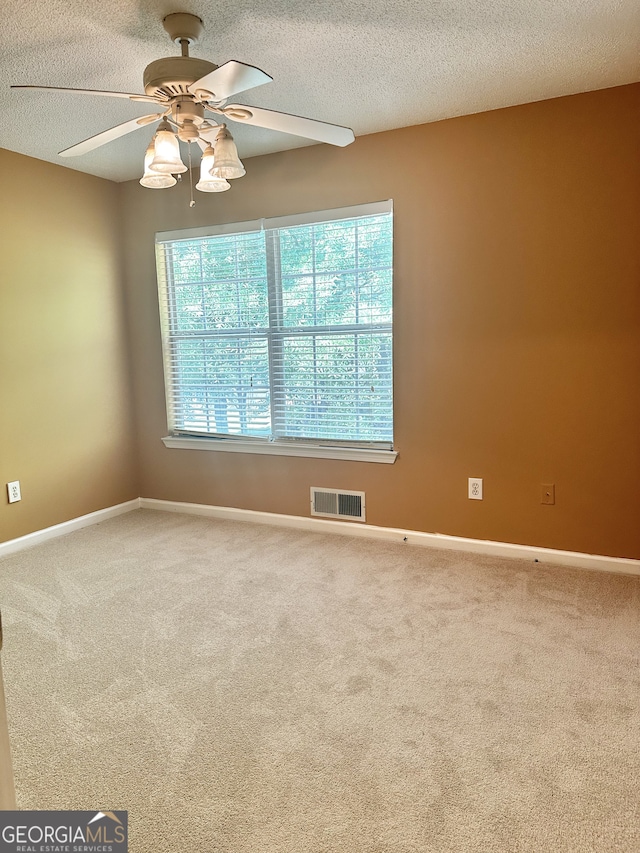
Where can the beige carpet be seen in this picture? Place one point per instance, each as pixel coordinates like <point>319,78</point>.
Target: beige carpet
<point>249,689</point>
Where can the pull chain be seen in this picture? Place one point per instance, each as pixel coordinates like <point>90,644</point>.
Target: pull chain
<point>192,203</point>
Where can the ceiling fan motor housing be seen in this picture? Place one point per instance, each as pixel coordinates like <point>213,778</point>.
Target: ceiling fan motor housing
<point>188,115</point>
<point>172,76</point>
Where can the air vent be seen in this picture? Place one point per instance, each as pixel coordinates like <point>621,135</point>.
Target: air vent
<point>332,503</point>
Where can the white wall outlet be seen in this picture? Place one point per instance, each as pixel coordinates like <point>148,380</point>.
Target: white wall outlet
<point>13,490</point>
<point>475,488</point>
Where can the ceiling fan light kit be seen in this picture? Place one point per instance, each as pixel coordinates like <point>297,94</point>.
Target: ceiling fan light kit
<point>155,180</point>
<point>166,151</point>
<point>226,161</point>
<point>186,89</point>
<point>209,182</point>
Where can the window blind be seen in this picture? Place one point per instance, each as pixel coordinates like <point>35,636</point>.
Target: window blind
<point>282,329</point>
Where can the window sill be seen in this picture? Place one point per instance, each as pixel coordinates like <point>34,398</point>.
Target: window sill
<point>274,448</point>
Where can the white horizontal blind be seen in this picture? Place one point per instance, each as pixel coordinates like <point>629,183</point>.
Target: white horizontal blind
<point>281,333</point>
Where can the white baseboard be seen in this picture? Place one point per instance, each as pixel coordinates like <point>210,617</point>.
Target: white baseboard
<point>40,536</point>
<point>547,556</point>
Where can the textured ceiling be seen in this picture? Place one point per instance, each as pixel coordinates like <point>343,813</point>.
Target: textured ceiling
<point>369,64</point>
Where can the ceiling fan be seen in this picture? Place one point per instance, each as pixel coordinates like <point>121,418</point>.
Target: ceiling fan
<point>190,91</point>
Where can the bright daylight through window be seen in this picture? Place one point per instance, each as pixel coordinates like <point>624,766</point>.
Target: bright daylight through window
<point>281,329</point>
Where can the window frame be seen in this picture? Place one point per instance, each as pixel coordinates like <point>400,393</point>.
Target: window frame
<point>357,450</point>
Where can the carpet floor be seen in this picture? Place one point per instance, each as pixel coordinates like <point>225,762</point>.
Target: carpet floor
<point>251,689</point>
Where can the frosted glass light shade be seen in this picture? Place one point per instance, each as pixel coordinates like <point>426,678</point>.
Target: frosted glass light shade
<point>227,163</point>
<point>151,179</point>
<point>167,153</point>
<point>208,182</point>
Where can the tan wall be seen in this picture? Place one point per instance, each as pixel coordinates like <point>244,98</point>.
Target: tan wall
<point>64,389</point>
<point>517,327</point>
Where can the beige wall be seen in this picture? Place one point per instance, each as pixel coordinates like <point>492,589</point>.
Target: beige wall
<point>517,328</point>
<point>64,389</point>
<point>517,345</point>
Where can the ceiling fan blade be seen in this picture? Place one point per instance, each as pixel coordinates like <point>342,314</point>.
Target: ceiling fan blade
<point>229,79</point>
<point>131,97</point>
<point>321,131</point>
<point>109,135</point>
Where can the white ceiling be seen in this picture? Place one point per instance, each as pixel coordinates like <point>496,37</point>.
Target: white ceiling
<point>369,64</point>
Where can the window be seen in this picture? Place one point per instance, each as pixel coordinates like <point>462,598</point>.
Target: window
<point>281,330</point>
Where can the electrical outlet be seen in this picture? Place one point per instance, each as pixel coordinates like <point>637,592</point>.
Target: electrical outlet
<point>475,488</point>
<point>548,494</point>
<point>13,490</point>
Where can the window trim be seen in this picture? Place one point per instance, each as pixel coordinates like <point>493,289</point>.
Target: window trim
<point>279,448</point>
